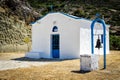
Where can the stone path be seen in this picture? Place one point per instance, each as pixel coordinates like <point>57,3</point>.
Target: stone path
<point>12,64</point>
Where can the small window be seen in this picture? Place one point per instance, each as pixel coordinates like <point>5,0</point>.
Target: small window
<point>55,29</point>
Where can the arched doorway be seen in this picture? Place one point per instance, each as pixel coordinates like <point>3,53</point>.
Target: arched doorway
<point>55,43</point>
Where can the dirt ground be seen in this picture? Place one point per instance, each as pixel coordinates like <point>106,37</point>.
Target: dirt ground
<point>63,70</point>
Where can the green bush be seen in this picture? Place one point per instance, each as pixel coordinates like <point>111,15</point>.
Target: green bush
<point>114,42</point>
<point>79,13</point>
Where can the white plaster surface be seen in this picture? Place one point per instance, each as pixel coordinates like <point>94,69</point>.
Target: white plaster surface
<point>75,36</point>
<point>89,62</point>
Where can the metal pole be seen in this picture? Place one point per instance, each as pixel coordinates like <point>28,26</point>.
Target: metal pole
<point>104,36</point>
<point>92,40</point>
<point>92,37</point>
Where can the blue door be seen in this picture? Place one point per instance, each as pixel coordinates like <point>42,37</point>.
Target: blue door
<point>55,46</point>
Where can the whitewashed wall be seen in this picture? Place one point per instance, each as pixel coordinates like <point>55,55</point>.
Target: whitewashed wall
<point>85,38</point>
<point>75,36</point>
<point>68,29</point>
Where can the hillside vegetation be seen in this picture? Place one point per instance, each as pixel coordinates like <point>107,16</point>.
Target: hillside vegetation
<point>16,16</point>
<point>108,9</point>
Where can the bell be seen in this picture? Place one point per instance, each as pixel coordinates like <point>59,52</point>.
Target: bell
<point>98,44</point>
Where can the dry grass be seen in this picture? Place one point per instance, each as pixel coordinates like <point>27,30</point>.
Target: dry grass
<point>67,70</point>
<point>8,56</point>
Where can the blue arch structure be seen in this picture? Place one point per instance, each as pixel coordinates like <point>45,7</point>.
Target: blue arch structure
<point>104,37</point>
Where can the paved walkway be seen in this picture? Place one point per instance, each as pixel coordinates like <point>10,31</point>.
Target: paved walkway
<point>13,64</point>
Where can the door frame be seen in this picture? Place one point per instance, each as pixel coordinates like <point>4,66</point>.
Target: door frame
<point>51,50</point>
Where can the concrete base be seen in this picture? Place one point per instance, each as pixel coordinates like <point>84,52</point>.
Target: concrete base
<point>89,62</point>
<point>35,55</point>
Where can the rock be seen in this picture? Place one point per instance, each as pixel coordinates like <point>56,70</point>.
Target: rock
<point>14,17</point>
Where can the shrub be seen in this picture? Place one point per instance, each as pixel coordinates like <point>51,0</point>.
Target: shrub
<point>79,13</point>
<point>114,42</point>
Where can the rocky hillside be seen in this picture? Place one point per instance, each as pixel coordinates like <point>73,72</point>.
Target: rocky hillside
<point>109,9</point>
<point>16,16</point>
